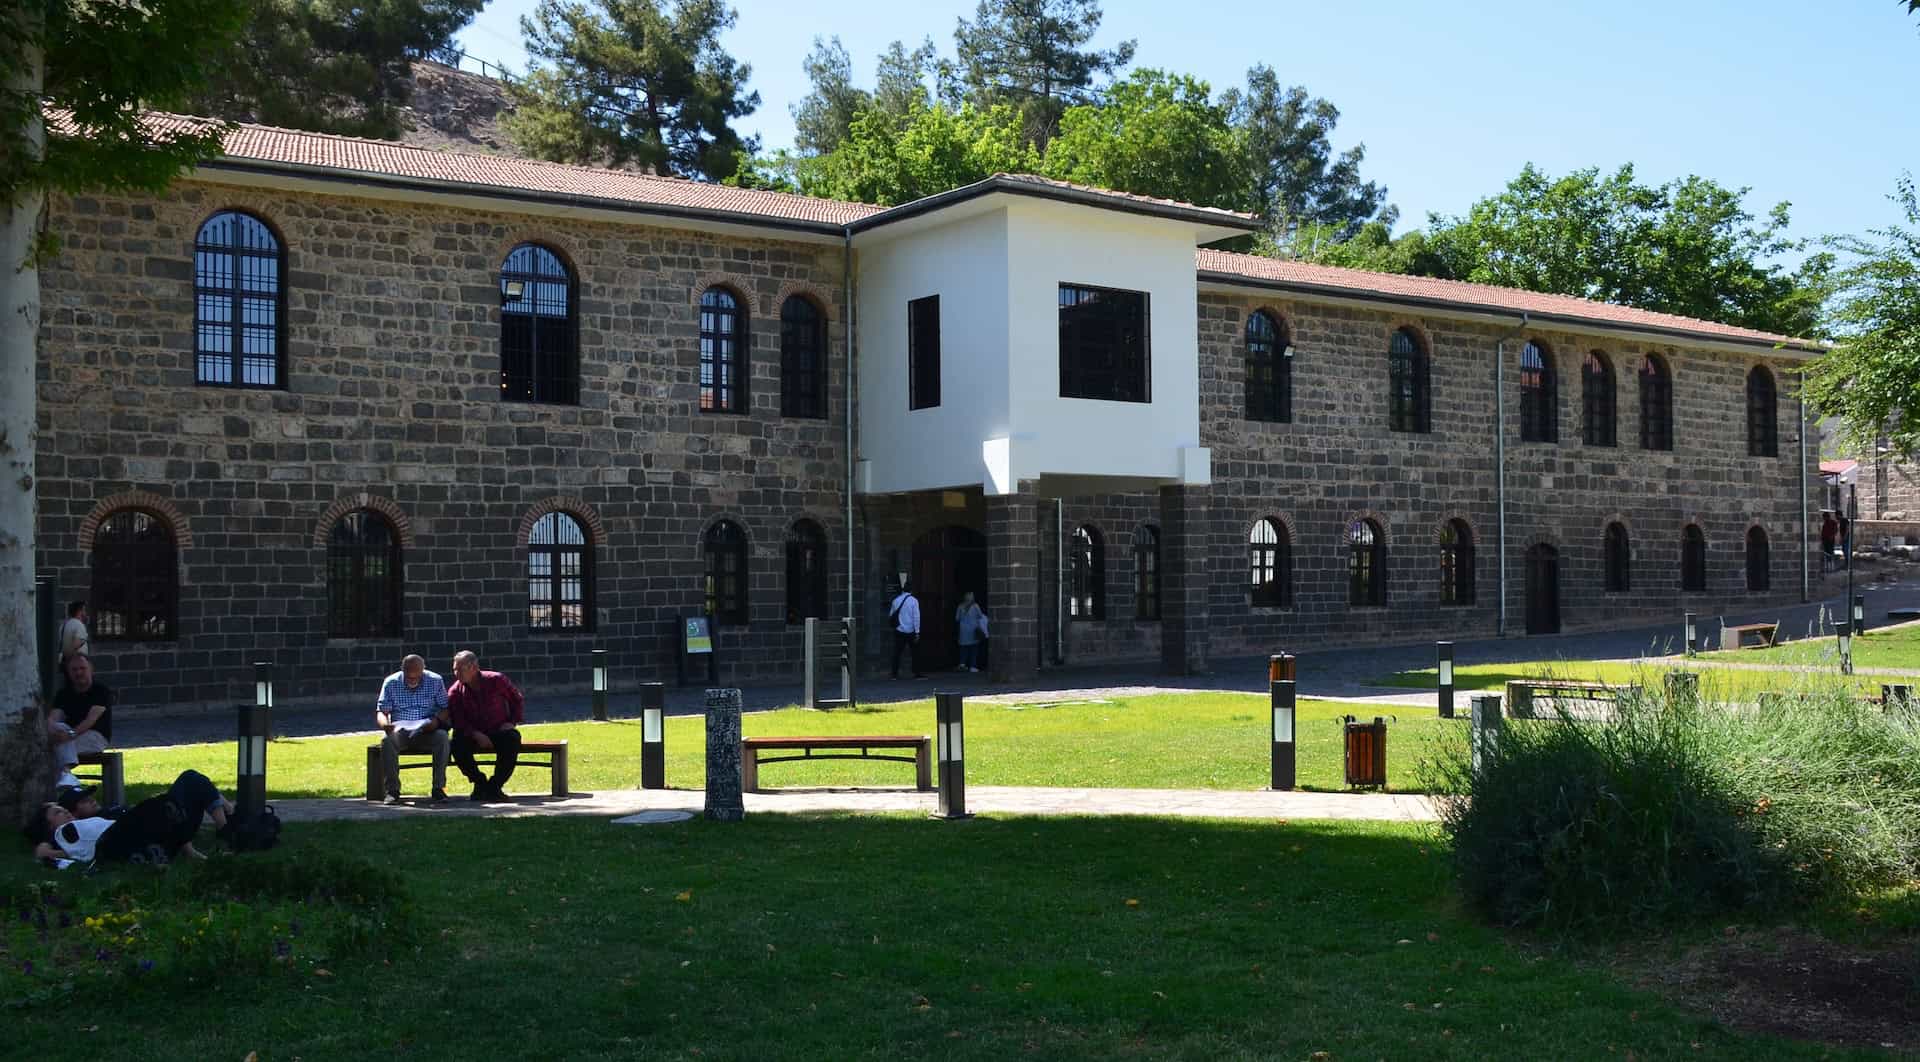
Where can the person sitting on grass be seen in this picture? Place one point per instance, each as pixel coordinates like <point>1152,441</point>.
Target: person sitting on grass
<point>485,708</point>
<point>74,829</point>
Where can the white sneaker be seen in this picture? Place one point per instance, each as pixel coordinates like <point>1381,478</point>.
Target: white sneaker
<point>975,670</point>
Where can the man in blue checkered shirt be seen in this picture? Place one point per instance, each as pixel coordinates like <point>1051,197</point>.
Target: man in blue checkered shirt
<point>412,713</point>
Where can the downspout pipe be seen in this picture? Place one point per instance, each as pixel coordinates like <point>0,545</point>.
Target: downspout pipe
<point>1500,459</point>
<point>1806,562</point>
<point>847,315</point>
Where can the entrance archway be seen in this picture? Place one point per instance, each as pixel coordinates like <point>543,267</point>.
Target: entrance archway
<point>947,562</point>
<point>1543,589</point>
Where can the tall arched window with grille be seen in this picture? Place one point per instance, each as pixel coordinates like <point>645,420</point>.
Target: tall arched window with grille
<point>1539,395</point>
<point>1146,572</point>
<point>1759,561</point>
<point>806,572</point>
<point>539,328</point>
<point>1618,559</point>
<point>1763,414</point>
<point>1086,575</point>
<point>1693,559</point>
<point>1656,405</point>
<point>136,583</point>
<point>1456,563</point>
<point>723,353</point>
<point>1269,370</point>
<point>559,575</point>
<point>1366,564</point>
<point>724,549</point>
<point>239,303</point>
<point>1597,401</point>
<point>1270,564</point>
<point>1409,379</point>
<point>363,577</point>
<point>803,359</point>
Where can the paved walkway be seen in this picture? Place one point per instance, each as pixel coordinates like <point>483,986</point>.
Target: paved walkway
<point>983,800</point>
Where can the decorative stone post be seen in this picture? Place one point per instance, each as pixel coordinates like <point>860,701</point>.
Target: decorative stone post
<point>724,800</point>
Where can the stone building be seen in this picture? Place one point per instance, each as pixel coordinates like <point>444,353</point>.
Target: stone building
<point>329,401</point>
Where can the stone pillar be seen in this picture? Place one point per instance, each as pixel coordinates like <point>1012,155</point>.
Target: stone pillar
<point>1184,610</point>
<point>1013,574</point>
<point>724,800</point>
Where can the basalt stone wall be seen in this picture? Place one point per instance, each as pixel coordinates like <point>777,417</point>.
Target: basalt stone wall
<point>390,402</point>
<point>1887,485</point>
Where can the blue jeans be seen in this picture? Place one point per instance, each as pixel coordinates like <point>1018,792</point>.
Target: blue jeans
<point>970,654</point>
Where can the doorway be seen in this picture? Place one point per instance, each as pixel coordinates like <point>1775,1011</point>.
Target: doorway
<point>947,562</point>
<point>1543,589</point>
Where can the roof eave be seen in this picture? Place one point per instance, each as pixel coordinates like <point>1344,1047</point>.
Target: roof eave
<point>1232,224</point>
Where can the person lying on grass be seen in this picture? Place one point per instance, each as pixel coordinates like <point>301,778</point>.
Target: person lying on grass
<point>74,829</point>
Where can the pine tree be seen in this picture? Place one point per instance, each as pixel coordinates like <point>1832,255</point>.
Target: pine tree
<point>1031,55</point>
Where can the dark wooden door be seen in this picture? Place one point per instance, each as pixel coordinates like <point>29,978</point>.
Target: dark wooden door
<point>947,562</point>
<point>1543,590</point>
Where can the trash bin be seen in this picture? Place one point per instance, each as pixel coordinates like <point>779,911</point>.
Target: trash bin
<point>1367,752</point>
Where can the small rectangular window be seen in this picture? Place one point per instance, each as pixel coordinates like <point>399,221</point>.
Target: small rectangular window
<point>923,353</point>
<point>1104,351</point>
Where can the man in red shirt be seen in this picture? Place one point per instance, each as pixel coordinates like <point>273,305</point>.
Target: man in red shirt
<point>485,709</point>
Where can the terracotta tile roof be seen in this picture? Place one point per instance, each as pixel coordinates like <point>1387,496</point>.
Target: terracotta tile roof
<point>1483,297</point>
<point>1231,217</point>
<point>1839,467</point>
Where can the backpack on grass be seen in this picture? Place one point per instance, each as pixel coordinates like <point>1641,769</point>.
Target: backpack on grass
<point>255,833</point>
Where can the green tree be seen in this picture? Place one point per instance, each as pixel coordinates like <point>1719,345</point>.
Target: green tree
<point>1032,55</point>
<point>1871,378</point>
<point>906,80</point>
<point>889,161</point>
<point>1155,134</point>
<point>630,82</point>
<point>93,67</point>
<point>823,115</point>
<point>1296,178</point>
<point>1372,247</point>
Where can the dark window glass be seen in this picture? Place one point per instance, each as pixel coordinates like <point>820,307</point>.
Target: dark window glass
<point>725,548</point>
<point>1759,561</point>
<point>803,359</point>
<point>1269,370</point>
<point>1146,572</point>
<point>539,330</point>
<point>559,575</point>
<point>1693,559</point>
<point>1456,563</point>
<point>1270,564</point>
<point>1598,402</point>
<point>806,572</point>
<point>1619,560</point>
<point>136,586</point>
<point>1763,415</point>
<point>1409,400</point>
<point>1366,564</point>
<point>923,353</point>
<point>723,353</point>
<point>238,302</point>
<point>1086,575</point>
<point>1539,396</point>
<point>1656,405</point>
<point>363,577</point>
<point>1103,344</point>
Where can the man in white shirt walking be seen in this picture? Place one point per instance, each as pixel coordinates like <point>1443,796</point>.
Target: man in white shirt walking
<point>904,614</point>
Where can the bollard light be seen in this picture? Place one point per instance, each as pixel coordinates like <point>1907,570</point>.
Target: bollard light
<point>599,658</point>
<point>1283,738</point>
<point>1485,738</point>
<point>1690,634</point>
<point>256,723</point>
<point>263,683</point>
<point>1859,613</point>
<point>1445,669</point>
<point>1683,687</point>
<point>1896,696</point>
<point>949,714</point>
<point>653,735</point>
<point>1846,647</point>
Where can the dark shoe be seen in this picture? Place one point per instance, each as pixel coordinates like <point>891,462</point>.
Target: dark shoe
<point>439,797</point>
<point>481,794</point>
<point>393,800</point>
<point>497,795</point>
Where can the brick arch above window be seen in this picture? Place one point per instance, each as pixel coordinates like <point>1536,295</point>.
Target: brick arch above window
<point>135,499</point>
<point>573,506</point>
<point>829,310</point>
<point>402,524</point>
<point>1446,518</point>
<point>737,520</point>
<point>1379,520</point>
<point>1284,521</point>
<point>548,239</point>
<point>735,285</point>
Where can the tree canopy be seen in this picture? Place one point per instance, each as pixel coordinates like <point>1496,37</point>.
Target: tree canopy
<point>889,160</point>
<point>1155,134</point>
<point>1032,56</point>
<point>1871,378</point>
<point>1286,137</point>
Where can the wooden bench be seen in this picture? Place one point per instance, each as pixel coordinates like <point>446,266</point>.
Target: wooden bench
<point>112,777</point>
<point>1734,636</point>
<point>1521,694</point>
<point>555,763</point>
<point>750,758</point>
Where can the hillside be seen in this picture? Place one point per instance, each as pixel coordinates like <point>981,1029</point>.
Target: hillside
<point>453,110</point>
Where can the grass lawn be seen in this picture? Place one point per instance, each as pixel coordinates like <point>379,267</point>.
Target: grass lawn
<point>1723,683</point>
<point>1175,741</point>
<point>1895,648</point>
<point>879,938</point>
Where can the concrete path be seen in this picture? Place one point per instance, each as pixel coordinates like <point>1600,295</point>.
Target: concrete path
<point>982,800</point>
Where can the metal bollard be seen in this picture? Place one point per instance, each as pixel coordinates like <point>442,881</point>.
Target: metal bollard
<point>601,681</point>
<point>1485,736</point>
<point>653,735</point>
<point>1445,669</point>
<point>949,709</point>
<point>1690,636</point>
<point>1683,687</point>
<point>256,725</point>
<point>725,801</point>
<point>1283,738</point>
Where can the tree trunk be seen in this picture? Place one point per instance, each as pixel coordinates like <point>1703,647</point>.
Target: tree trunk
<point>26,766</point>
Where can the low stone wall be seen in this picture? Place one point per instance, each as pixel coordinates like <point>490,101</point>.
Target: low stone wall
<point>1870,532</point>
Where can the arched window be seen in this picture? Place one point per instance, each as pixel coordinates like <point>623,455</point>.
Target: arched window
<point>1146,572</point>
<point>1366,564</point>
<point>1656,405</point>
<point>723,353</point>
<point>725,551</point>
<point>1759,561</point>
<point>1763,414</point>
<point>539,328</point>
<point>1456,563</point>
<point>803,359</point>
<point>1618,559</point>
<point>1409,401</point>
<point>1597,402</point>
<point>1693,559</point>
<point>1086,575</point>
<point>1539,396</point>
<point>1270,557</point>
<point>136,587</point>
<point>806,572</point>
<point>239,302</point>
<point>1269,370</point>
<point>559,575</point>
<point>363,577</point>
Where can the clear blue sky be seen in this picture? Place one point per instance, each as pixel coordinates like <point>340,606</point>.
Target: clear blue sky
<point>1811,102</point>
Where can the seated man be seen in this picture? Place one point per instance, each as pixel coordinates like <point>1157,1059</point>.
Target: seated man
<point>72,828</point>
<point>81,720</point>
<point>411,702</point>
<point>485,709</point>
